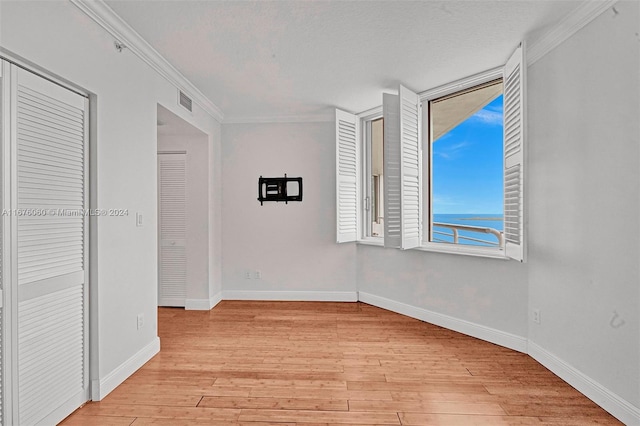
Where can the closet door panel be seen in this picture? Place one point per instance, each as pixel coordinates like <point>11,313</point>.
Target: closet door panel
<point>50,231</point>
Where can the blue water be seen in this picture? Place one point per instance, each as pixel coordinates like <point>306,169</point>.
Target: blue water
<point>470,219</point>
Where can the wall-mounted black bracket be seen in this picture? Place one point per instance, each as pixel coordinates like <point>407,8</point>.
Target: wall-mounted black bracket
<point>279,189</point>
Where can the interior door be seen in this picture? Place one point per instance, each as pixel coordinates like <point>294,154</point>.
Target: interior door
<point>172,229</point>
<point>49,246</point>
<point>4,190</point>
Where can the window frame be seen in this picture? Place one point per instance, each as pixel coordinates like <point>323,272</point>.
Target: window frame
<point>427,222</point>
<point>366,210</point>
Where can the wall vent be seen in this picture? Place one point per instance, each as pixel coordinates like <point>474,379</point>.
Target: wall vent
<point>185,101</point>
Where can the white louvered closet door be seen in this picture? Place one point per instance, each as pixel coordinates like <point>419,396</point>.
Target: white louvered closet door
<point>49,135</point>
<point>4,138</point>
<point>172,288</point>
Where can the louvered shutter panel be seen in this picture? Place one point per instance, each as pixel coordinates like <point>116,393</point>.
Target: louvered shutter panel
<point>391,166</point>
<point>347,176</point>
<point>402,169</point>
<point>50,353</point>
<point>173,257</point>
<point>50,140</point>
<point>410,168</point>
<point>514,149</point>
<point>50,177</point>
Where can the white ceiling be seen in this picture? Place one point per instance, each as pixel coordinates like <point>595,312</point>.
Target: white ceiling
<point>263,60</point>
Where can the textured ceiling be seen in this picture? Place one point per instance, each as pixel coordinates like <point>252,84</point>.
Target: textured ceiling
<point>275,59</point>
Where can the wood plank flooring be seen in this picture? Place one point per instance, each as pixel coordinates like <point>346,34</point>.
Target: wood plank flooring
<point>311,364</point>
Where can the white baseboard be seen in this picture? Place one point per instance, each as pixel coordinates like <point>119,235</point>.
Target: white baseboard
<point>482,332</point>
<point>174,302</point>
<point>203,304</point>
<point>617,406</point>
<point>102,387</point>
<point>300,296</point>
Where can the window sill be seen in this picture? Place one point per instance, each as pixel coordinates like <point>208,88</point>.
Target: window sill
<point>493,253</point>
<point>475,251</point>
<point>372,241</point>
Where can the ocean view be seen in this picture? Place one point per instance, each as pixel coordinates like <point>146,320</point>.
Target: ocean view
<point>494,221</point>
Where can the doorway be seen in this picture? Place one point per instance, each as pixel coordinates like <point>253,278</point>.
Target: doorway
<point>183,212</point>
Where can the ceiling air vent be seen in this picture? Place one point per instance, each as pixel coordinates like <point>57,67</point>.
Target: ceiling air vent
<point>185,101</point>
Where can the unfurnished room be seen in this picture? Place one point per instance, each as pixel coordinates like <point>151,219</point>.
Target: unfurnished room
<point>319,212</point>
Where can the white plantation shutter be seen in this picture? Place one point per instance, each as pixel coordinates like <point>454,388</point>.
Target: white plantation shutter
<point>392,190</point>
<point>410,168</point>
<point>514,147</point>
<point>49,142</point>
<point>172,209</point>
<point>347,176</point>
<point>402,164</point>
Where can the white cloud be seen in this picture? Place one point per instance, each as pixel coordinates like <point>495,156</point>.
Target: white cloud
<point>450,151</point>
<point>440,200</point>
<point>489,116</point>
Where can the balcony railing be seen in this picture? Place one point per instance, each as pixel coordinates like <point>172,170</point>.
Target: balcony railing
<point>455,234</point>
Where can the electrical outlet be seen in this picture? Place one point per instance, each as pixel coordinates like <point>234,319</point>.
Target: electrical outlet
<point>536,316</point>
<point>258,275</point>
<point>140,319</point>
<point>247,274</point>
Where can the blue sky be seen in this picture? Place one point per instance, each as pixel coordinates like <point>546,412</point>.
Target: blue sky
<point>467,165</point>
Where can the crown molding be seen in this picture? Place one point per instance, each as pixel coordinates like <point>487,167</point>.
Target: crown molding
<point>303,118</point>
<point>104,16</point>
<point>568,26</point>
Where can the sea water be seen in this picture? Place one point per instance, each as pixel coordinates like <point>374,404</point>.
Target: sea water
<point>494,221</point>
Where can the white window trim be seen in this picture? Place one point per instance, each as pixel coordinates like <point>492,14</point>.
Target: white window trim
<point>461,84</point>
<point>366,117</point>
<point>476,251</point>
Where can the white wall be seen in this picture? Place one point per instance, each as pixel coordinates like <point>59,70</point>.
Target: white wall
<point>486,292</point>
<point>584,211</point>
<point>292,245</point>
<point>59,38</point>
<point>197,211</point>
<point>215,214</point>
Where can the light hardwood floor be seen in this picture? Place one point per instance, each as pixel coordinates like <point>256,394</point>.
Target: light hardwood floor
<point>318,363</point>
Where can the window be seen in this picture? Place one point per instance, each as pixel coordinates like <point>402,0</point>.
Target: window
<point>407,190</point>
<point>465,141</point>
<point>373,183</point>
